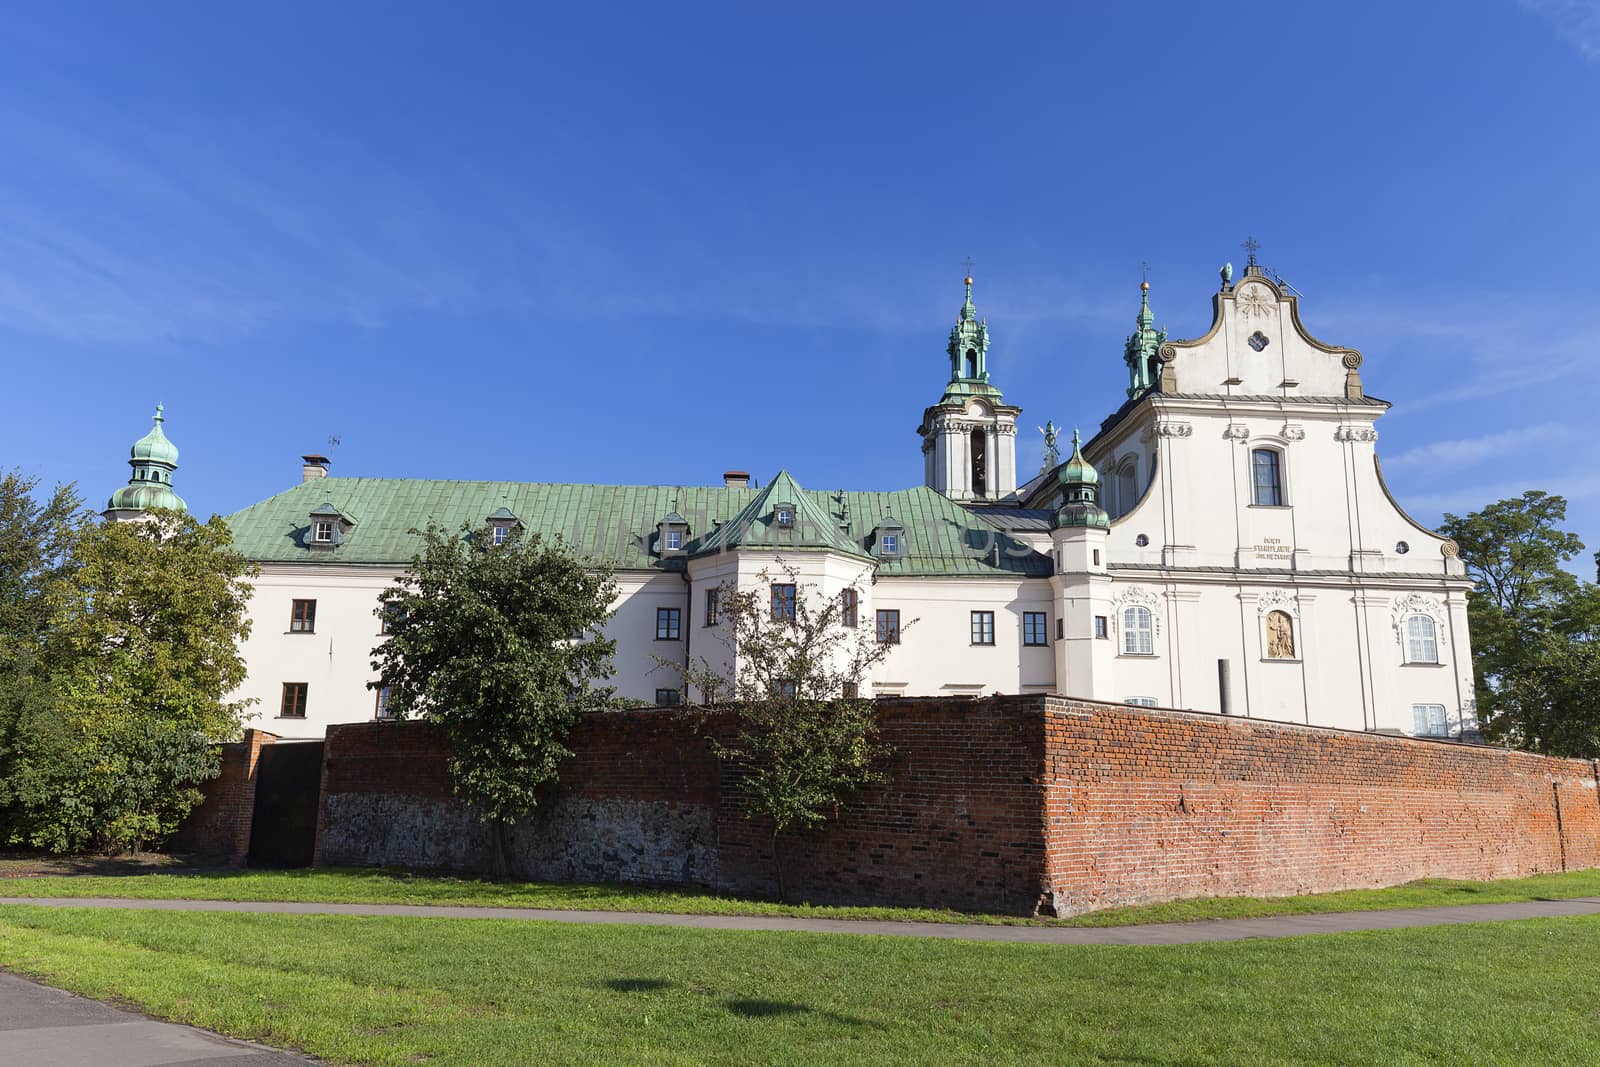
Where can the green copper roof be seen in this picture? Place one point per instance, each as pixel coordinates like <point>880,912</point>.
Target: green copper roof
<point>1142,346</point>
<point>153,459</point>
<point>1080,504</point>
<point>616,524</point>
<point>968,349</point>
<point>154,445</point>
<point>815,528</point>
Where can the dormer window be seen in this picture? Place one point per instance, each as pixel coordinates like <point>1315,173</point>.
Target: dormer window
<point>783,516</point>
<point>672,534</point>
<point>888,538</point>
<point>328,528</point>
<point>503,526</point>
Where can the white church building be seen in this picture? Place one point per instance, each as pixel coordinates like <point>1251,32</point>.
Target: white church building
<point>1224,543</point>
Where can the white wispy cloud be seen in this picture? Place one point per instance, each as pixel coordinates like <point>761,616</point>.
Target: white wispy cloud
<point>1460,452</point>
<point>1576,21</point>
<point>1466,498</point>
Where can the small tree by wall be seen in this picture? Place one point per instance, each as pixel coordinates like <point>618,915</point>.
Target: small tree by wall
<point>804,741</point>
<point>500,644</point>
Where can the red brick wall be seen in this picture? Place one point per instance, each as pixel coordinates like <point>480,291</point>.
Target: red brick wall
<point>218,831</point>
<point>1009,802</point>
<point>1151,805</point>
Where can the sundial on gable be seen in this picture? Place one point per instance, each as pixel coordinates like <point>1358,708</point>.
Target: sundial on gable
<point>1255,301</point>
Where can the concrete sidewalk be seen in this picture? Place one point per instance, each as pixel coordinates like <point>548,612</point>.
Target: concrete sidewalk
<point>1043,934</point>
<point>45,1027</point>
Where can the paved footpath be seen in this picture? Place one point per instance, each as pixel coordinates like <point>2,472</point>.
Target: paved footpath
<point>44,1027</point>
<point>1043,934</point>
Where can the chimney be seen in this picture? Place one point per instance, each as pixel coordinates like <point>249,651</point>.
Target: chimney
<point>315,467</point>
<point>736,479</point>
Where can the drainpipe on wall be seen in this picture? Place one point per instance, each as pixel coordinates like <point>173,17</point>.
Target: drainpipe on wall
<point>688,627</point>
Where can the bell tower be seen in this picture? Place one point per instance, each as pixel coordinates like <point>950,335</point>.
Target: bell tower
<point>969,438</point>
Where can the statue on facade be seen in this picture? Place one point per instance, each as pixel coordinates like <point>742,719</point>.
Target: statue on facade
<point>1280,635</point>
<point>1052,454</point>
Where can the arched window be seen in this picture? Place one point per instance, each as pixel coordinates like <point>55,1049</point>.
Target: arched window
<point>972,363</point>
<point>1138,636</point>
<point>1266,477</point>
<point>1422,640</point>
<point>1280,635</point>
<point>1127,487</point>
<point>980,463</point>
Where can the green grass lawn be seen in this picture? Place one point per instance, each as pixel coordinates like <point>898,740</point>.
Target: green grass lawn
<point>483,992</point>
<point>373,886</point>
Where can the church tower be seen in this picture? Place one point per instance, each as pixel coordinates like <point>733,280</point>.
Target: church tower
<point>153,459</point>
<point>969,438</point>
<point>1141,349</point>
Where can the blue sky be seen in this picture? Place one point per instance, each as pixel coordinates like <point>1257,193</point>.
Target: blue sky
<point>647,244</point>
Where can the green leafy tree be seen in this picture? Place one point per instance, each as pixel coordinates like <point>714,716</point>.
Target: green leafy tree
<point>501,645</point>
<point>1548,702</point>
<point>804,743</point>
<point>142,654</point>
<point>36,569</point>
<point>1525,612</point>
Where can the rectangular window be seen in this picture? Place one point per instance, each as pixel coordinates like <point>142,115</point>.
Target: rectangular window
<point>380,709</point>
<point>1427,720</point>
<point>388,615</point>
<point>983,627</point>
<point>1061,629</point>
<point>1101,630</point>
<point>888,627</point>
<point>303,617</point>
<point>852,691</point>
<point>713,603</point>
<point>674,540</point>
<point>1033,628</point>
<point>1265,478</point>
<point>1097,557</point>
<point>294,701</point>
<point>667,624</point>
<point>849,601</point>
<point>784,516</point>
<point>1142,702</point>
<point>785,689</point>
<point>783,601</point>
<point>501,534</point>
<point>889,544</point>
<point>668,698</point>
<point>322,531</point>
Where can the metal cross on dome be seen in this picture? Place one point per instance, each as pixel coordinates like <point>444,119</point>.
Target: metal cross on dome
<point>1251,247</point>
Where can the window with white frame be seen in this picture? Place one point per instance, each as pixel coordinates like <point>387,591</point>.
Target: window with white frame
<point>1427,720</point>
<point>1266,477</point>
<point>1422,639</point>
<point>501,534</point>
<point>674,540</point>
<point>1143,702</point>
<point>1138,631</point>
<point>322,531</point>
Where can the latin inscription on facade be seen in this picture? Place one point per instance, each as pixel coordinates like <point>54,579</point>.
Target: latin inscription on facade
<point>1273,548</point>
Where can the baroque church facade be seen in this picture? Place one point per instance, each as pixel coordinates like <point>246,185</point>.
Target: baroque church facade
<point>1224,543</point>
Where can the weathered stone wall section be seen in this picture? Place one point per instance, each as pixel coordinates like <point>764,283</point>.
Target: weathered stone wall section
<point>1159,805</point>
<point>218,831</point>
<point>1001,804</point>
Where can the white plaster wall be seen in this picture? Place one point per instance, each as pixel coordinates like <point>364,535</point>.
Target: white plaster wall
<point>936,656</point>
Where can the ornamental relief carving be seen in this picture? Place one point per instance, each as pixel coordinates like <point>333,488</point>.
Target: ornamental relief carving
<point>1449,550</point>
<point>1167,353</point>
<point>1172,428</point>
<point>1414,604</point>
<point>1291,432</point>
<point>1237,431</point>
<point>1006,429</point>
<point>1135,596</point>
<point>1254,301</point>
<point>1355,433</point>
<point>1278,600</point>
<point>1351,359</point>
